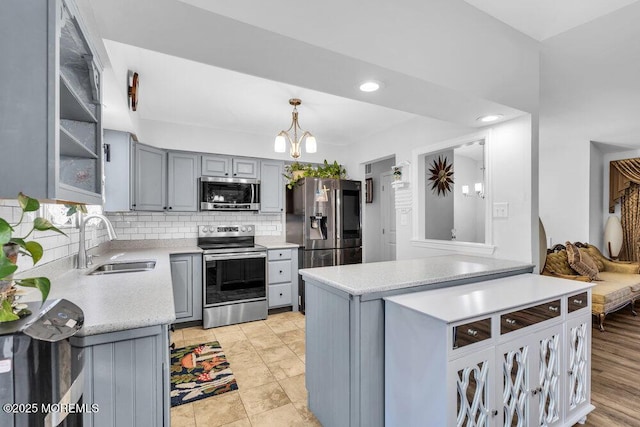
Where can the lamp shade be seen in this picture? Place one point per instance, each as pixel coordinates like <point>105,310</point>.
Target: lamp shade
<point>311,145</point>
<point>613,236</point>
<point>280,144</point>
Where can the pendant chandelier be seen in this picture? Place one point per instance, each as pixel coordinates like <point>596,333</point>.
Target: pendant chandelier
<point>284,135</point>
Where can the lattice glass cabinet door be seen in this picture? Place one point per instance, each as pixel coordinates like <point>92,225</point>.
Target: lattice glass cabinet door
<point>515,362</point>
<point>472,401</point>
<point>577,356</point>
<point>549,347</point>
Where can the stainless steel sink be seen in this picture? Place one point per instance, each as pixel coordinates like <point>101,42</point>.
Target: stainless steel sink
<point>123,267</point>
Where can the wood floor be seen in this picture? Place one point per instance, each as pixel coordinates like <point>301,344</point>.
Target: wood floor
<point>615,372</point>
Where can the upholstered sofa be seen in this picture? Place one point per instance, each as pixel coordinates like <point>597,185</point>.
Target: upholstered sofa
<point>619,285</point>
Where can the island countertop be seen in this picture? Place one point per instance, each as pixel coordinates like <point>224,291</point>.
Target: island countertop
<point>362,279</point>
<point>116,302</point>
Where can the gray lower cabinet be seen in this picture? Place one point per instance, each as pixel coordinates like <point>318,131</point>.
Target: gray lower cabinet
<point>345,381</point>
<point>186,278</point>
<point>150,179</point>
<point>50,114</point>
<point>271,186</point>
<point>126,374</point>
<point>182,189</point>
<point>282,275</point>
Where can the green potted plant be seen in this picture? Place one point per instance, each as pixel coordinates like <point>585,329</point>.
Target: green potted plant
<point>296,171</point>
<point>12,246</point>
<point>330,170</point>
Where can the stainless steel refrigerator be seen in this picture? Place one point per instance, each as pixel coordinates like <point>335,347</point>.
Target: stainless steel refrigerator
<point>324,217</point>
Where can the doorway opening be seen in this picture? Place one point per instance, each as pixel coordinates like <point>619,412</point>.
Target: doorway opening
<point>379,231</point>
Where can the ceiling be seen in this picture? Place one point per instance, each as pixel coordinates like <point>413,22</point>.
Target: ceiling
<point>541,19</point>
<point>176,90</point>
<point>222,64</point>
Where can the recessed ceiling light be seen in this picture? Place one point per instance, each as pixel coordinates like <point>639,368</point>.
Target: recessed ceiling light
<point>370,86</point>
<point>489,118</point>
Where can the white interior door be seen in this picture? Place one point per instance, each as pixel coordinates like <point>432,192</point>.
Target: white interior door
<point>388,217</point>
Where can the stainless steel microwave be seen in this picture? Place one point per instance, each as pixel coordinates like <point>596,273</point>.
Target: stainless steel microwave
<point>229,194</point>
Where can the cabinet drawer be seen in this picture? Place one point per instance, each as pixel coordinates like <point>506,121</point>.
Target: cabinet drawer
<point>276,254</point>
<point>577,302</point>
<point>472,332</point>
<point>529,316</point>
<point>279,295</point>
<point>279,271</point>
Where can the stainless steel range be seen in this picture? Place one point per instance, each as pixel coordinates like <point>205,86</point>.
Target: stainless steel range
<point>235,275</point>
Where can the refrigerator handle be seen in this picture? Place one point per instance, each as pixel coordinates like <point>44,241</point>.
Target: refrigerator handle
<point>336,216</point>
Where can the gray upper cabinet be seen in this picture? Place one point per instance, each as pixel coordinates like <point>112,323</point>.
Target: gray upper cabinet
<point>216,166</point>
<point>50,116</point>
<point>183,182</point>
<point>143,178</point>
<point>230,167</point>
<point>118,170</point>
<point>271,186</point>
<point>245,168</point>
<point>150,179</point>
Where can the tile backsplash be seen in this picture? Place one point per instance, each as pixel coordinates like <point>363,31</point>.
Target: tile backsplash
<point>184,225</point>
<point>56,246</point>
<point>134,226</point>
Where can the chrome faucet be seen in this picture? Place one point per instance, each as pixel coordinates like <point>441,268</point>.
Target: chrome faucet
<point>82,247</point>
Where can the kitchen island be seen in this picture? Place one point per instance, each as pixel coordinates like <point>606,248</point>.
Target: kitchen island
<point>125,337</point>
<point>345,327</point>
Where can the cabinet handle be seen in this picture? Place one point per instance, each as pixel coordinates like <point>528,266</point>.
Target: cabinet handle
<point>577,301</point>
<point>570,372</point>
<point>280,271</point>
<point>510,321</point>
<point>280,293</point>
<point>494,412</point>
<point>170,207</point>
<point>235,174</point>
<point>536,390</point>
<point>552,308</point>
<point>226,173</point>
<point>472,332</point>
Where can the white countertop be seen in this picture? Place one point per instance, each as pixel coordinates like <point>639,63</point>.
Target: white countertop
<point>116,302</point>
<point>361,279</point>
<point>476,299</point>
<point>277,245</point>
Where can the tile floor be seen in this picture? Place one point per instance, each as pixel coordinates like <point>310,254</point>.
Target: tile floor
<point>267,358</point>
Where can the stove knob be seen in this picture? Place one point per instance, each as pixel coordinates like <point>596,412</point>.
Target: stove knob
<point>243,229</point>
<point>249,228</point>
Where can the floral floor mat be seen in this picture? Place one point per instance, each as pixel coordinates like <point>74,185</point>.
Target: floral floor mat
<point>199,371</point>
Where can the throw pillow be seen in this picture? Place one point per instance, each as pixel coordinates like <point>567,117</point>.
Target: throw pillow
<point>581,262</point>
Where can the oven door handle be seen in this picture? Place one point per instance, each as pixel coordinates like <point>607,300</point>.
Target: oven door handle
<point>222,257</point>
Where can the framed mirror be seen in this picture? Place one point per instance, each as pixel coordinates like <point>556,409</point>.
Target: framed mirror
<point>452,201</point>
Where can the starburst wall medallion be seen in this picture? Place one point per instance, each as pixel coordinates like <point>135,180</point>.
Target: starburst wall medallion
<point>441,176</point>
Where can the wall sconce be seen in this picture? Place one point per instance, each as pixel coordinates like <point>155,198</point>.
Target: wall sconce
<point>477,187</point>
